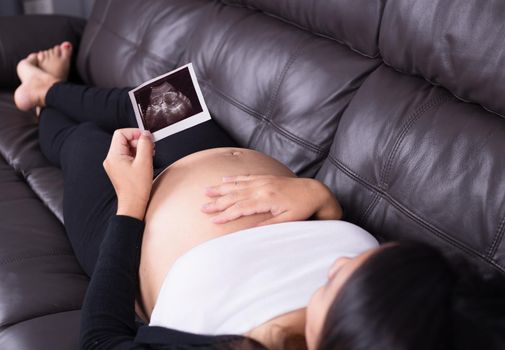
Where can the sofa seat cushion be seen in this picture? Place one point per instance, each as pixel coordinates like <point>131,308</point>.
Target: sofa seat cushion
<point>19,146</point>
<point>39,272</point>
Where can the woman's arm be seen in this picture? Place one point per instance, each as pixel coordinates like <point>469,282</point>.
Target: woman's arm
<point>286,198</point>
<point>108,313</point>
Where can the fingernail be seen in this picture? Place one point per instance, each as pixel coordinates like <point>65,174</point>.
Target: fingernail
<point>146,133</point>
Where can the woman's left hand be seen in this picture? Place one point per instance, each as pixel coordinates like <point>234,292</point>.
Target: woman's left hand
<point>285,198</point>
<point>129,165</point>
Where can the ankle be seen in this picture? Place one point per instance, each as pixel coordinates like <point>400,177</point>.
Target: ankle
<point>42,92</point>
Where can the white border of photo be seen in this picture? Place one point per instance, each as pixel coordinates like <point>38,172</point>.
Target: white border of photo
<point>184,124</point>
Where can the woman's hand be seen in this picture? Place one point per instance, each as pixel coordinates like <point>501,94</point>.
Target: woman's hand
<point>286,198</point>
<point>129,165</point>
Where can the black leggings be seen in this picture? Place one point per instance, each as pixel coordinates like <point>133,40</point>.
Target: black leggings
<point>75,131</point>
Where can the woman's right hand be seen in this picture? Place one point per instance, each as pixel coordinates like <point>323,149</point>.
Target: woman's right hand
<point>285,198</point>
<point>129,165</point>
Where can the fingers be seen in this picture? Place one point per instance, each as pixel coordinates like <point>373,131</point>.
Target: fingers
<point>235,183</point>
<point>145,148</point>
<point>225,201</point>
<point>244,178</point>
<point>240,209</point>
<point>120,144</point>
<point>225,189</point>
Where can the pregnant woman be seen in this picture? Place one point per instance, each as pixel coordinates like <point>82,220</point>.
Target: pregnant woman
<point>218,251</point>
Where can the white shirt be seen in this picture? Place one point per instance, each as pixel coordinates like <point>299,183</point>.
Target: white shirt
<point>234,283</point>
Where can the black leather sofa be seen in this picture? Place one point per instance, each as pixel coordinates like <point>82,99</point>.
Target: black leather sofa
<point>397,105</point>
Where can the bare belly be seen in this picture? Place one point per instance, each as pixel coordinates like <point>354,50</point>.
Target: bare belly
<point>174,222</point>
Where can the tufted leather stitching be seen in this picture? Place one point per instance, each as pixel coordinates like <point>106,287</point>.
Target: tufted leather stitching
<point>386,170</point>
<point>366,212</point>
<point>138,46</point>
<point>497,238</point>
<point>412,215</point>
<point>273,101</point>
<point>416,115</point>
<point>246,109</point>
<point>208,85</point>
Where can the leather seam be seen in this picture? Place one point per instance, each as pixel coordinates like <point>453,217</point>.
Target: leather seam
<point>253,113</point>
<point>386,170</point>
<point>35,316</point>
<point>273,101</point>
<point>138,46</point>
<point>232,101</point>
<point>99,24</point>
<point>301,46</point>
<point>412,120</point>
<point>371,206</point>
<point>228,32</point>
<point>497,239</point>
<point>415,217</point>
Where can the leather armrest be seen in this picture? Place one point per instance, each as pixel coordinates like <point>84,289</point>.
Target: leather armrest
<point>20,35</point>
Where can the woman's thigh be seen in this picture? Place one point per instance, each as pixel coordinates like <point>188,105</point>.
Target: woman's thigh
<point>89,200</point>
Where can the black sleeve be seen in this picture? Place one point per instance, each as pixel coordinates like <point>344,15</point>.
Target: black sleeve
<point>108,312</point>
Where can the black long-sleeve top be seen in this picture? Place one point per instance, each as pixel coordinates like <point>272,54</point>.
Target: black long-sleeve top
<point>108,312</point>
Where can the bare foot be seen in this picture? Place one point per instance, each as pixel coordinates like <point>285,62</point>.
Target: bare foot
<point>35,84</point>
<point>56,61</point>
<point>25,66</point>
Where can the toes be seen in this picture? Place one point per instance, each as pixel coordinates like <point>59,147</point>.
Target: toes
<point>40,56</point>
<point>57,51</point>
<point>66,49</point>
<point>32,58</point>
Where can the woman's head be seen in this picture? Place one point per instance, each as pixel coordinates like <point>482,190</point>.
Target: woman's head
<point>398,296</point>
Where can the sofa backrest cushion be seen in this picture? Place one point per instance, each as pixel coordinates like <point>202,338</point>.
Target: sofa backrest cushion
<point>457,44</point>
<point>354,23</point>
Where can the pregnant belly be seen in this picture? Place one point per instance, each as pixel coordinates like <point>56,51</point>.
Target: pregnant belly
<point>174,222</point>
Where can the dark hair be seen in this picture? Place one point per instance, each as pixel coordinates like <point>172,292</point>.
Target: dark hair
<point>408,296</point>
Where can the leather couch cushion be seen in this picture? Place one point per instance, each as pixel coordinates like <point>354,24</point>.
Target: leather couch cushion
<point>38,270</point>
<point>19,147</point>
<point>413,161</point>
<point>354,23</point>
<point>457,44</point>
<point>42,284</point>
<point>53,331</point>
